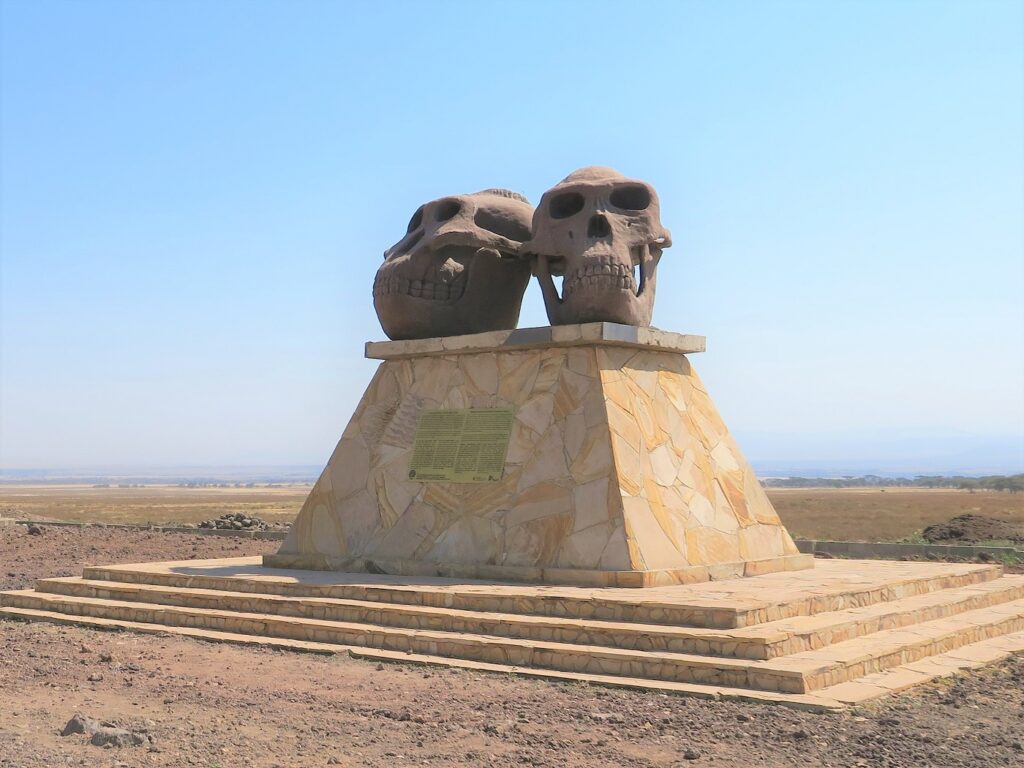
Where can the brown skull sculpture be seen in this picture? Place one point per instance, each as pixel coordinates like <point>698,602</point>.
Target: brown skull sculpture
<point>603,233</point>
<point>458,268</point>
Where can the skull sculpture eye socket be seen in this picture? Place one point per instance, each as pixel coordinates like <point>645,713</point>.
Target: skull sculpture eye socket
<point>631,197</point>
<point>447,210</point>
<point>416,220</point>
<point>565,205</point>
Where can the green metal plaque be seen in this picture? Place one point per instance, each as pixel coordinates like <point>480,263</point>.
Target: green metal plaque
<point>461,446</point>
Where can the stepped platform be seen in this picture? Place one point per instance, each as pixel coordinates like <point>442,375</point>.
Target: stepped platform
<point>844,632</point>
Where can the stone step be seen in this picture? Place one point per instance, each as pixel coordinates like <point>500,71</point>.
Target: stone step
<point>896,679</point>
<point>832,585</point>
<point>761,641</point>
<point>832,698</point>
<point>853,659</point>
<point>803,633</point>
<point>797,673</point>
<point>797,700</point>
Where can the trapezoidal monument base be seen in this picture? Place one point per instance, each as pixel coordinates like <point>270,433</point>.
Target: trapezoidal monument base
<point>619,470</point>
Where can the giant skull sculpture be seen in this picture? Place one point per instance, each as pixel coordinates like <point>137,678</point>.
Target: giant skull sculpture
<point>458,268</point>
<point>603,233</point>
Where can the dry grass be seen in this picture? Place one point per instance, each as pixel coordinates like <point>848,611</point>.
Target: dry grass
<point>845,514</point>
<point>156,504</point>
<point>883,514</point>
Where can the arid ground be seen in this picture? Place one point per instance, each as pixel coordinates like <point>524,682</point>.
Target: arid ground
<point>154,504</point>
<point>215,705</point>
<point>884,514</point>
<point>844,514</point>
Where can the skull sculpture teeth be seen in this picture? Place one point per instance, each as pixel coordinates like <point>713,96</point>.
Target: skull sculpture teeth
<point>457,269</point>
<point>602,232</point>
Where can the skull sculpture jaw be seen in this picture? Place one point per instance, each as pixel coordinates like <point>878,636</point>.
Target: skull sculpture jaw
<point>457,270</point>
<point>603,289</point>
<point>602,233</point>
<point>486,294</point>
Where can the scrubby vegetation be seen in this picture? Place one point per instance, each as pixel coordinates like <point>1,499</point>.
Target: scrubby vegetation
<point>1010,483</point>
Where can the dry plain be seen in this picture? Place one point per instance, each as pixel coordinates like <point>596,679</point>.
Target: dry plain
<point>844,514</point>
<point>154,504</point>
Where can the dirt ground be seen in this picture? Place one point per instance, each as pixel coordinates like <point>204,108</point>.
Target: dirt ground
<point>970,528</point>
<point>884,514</point>
<point>220,706</point>
<point>64,551</point>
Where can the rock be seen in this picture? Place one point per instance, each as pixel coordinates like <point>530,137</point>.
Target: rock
<point>691,754</point>
<point>95,677</point>
<point>104,734</point>
<point>84,649</point>
<point>116,737</point>
<point>80,724</point>
<point>35,530</point>
<point>106,657</point>
<point>235,521</point>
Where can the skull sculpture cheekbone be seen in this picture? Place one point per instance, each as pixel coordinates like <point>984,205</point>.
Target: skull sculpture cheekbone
<point>602,232</point>
<point>458,268</point>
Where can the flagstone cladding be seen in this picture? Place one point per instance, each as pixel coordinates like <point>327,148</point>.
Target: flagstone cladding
<point>619,470</point>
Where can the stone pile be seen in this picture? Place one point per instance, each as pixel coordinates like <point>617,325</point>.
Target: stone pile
<point>237,521</point>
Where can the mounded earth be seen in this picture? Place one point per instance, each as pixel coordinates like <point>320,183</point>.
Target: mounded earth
<point>206,704</point>
<point>970,529</point>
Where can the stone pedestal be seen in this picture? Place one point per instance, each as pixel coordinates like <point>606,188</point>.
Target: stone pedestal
<point>619,471</point>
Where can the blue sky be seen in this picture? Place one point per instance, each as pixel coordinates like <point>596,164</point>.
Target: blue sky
<point>194,198</point>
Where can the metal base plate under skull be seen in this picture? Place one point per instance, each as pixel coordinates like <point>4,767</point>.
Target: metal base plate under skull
<point>602,232</point>
<point>457,269</point>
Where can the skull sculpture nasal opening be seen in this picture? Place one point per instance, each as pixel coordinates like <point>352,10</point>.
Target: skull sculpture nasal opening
<point>602,233</point>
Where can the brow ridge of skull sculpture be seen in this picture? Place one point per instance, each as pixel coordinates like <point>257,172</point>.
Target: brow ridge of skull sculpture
<point>458,268</point>
<point>602,232</point>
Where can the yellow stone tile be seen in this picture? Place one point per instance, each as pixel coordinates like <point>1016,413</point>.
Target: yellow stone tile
<point>594,459</point>
<point>623,425</point>
<point>548,461</point>
<point>536,412</point>
<point>643,371</point>
<point>542,500</point>
<point>663,464</point>
<point>583,361</point>
<point>517,373</point>
<point>591,503</point>
<point>706,546</point>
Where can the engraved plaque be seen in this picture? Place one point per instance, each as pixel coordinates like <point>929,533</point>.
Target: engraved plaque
<point>461,446</point>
